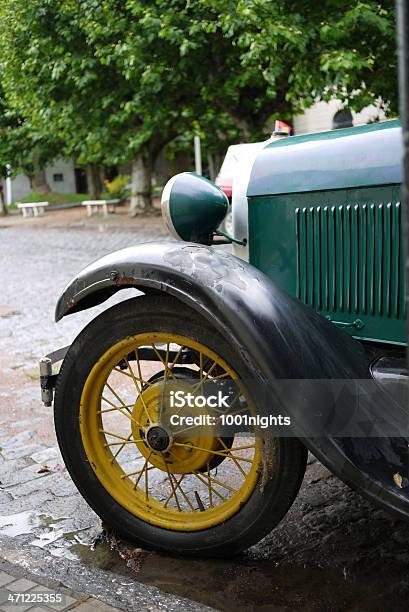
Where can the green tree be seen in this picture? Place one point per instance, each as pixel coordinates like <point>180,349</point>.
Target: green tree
<point>307,51</point>
<point>22,148</point>
<point>117,81</point>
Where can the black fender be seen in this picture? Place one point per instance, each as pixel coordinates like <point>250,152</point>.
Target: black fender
<point>281,337</point>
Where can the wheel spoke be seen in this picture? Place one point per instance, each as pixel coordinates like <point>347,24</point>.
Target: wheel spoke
<point>222,454</point>
<point>115,394</point>
<point>176,359</point>
<point>174,494</point>
<point>124,443</point>
<point>146,484</point>
<point>233,458</point>
<point>138,363</point>
<point>151,467</point>
<point>135,380</point>
<point>165,381</point>
<point>180,431</point>
<point>145,467</point>
<point>103,411</point>
<point>221,484</point>
<point>206,376</point>
<point>179,486</point>
<point>108,433</point>
<point>165,364</point>
<point>185,496</point>
<point>131,374</point>
<point>127,413</point>
<point>209,487</point>
<point>219,376</point>
<point>203,481</point>
<point>144,382</point>
<point>127,441</point>
<point>240,448</point>
<point>114,406</point>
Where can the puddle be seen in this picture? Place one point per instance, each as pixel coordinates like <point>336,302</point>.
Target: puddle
<point>246,584</point>
<point>57,536</point>
<point>18,524</point>
<point>23,523</point>
<point>242,584</point>
<point>358,565</point>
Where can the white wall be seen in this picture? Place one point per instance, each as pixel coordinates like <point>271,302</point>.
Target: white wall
<point>66,168</point>
<point>20,185</point>
<point>319,117</point>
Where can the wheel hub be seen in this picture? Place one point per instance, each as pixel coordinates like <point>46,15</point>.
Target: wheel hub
<point>167,450</point>
<point>157,438</point>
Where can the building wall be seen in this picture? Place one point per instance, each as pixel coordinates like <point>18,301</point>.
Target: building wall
<point>319,117</point>
<point>66,169</point>
<point>60,169</point>
<point>20,187</point>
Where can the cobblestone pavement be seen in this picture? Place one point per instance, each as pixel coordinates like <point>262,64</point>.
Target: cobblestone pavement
<point>36,266</point>
<point>333,551</point>
<point>45,525</point>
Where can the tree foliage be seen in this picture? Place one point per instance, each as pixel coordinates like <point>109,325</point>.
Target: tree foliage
<point>117,80</point>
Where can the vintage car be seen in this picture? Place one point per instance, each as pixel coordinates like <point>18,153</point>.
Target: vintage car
<point>311,301</point>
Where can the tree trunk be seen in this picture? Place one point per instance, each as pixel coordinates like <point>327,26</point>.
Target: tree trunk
<point>3,207</point>
<point>38,179</point>
<point>39,182</point>
<point>141,186</point>
<point>94,181</point>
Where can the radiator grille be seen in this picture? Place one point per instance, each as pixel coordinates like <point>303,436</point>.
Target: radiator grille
<point>350,259</point>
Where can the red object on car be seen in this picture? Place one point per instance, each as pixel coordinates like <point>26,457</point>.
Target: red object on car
<point>235,153</point>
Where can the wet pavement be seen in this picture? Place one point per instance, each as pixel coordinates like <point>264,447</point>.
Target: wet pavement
<point>333,551</point>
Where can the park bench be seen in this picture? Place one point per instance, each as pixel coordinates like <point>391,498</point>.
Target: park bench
<point>107,206</point>
<point>34,209</point>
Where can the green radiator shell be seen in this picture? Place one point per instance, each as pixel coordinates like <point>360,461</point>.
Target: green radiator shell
<point>339,251</point>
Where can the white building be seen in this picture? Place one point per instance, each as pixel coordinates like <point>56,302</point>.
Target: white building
<point>327,115</point>
<point>62,176</point>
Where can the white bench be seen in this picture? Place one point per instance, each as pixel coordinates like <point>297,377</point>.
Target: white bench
<point>32,208</point>
<point>95,205</point>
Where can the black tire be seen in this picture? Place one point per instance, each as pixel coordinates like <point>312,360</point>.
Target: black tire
<point>258,516</point>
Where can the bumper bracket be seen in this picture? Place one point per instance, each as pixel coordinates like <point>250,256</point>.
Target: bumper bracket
<point>48,379</point>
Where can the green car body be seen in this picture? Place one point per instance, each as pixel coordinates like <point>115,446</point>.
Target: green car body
<point>325,223</point>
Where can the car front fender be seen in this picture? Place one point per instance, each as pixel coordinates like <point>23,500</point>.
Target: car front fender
<point>281,337</point>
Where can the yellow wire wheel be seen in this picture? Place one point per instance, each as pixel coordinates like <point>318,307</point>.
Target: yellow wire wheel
<point>189,482</point>
<point>174,488</point>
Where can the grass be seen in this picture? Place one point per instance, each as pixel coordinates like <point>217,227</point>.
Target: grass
<point>54,197</point>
